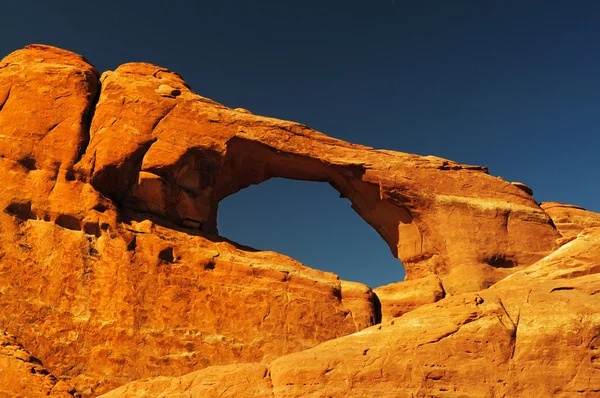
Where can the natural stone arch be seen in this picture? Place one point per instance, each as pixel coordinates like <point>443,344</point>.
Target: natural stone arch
<point>312,223</point>
<point>177,144</point>
<point>156,146</point>
<point>265,162</point>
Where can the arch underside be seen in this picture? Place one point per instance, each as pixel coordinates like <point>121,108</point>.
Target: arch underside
<point>253,163</point>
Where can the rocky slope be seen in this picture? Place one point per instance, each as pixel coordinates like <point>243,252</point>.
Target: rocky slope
<point>112,270</point>
<point>534,334</point>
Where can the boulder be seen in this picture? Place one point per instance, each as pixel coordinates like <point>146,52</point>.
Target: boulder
<point>399,298</point>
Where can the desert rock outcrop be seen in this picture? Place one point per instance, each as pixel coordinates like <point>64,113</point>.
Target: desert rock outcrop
<point>104,295</point>
<point>187,153</point>
<point>534,334</point>
<point>23,375</point>
<point>111,268</point>
<point>570,220</point>
<point>399,298</point>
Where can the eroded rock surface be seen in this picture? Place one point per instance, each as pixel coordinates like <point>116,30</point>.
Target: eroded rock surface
<point>111,269</point>
<point>23,375</point>
<point>104,295</point>
<point>46,99</point>
<point>186,153</point>
<point>536,333</point>
<point>399,298</point>
<point>570,220</point>
<point>143,300</point>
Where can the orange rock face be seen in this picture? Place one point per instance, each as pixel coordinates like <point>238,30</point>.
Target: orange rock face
<point>104,295</point>
<point>111,269</point>
<point>150,301</point>
<point>24,375</point>
<point>187,153</point>
<point>46,99</point>
<point>570,220</point>
<point>399,298</point>
<point>534,334</point>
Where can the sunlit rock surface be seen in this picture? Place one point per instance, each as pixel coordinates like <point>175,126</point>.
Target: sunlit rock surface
<point>155,146</point>
<point>570,220</point>
<point>534,334</point>
<point>23,375</point>
<point>112,271</point>
<point>104,294</point>
<point>399,298</point>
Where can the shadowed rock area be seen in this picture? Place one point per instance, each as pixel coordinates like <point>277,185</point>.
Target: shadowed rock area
<point>112,269</point>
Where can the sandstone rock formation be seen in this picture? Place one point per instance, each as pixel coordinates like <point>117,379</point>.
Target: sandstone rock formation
<point>534,334</point>
<point>22,375</point>
<point>104,295</point>
<point>399,298</point>
<point>187,153</point>
<point>570,220</point>
<point>151,301</point>
<point>111,269</point>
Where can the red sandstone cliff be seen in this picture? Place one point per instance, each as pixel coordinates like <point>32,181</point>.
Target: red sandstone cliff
<point>112,270</point>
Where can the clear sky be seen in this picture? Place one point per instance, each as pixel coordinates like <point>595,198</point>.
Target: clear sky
<point>513,85</point>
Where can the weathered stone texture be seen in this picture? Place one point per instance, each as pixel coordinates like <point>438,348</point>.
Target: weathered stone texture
<point>111,268</point>
<point>534,334</point>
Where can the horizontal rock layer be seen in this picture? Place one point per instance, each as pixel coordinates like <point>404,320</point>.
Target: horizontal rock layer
<point>399,298</point>
<point>570,220</point>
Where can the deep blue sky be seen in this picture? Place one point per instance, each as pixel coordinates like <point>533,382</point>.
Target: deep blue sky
<point>514,85</point>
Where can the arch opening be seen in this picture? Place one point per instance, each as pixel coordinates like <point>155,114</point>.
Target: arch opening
<point>311,223</point>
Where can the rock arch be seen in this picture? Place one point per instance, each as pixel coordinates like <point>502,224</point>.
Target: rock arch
<point>264,162</point>
<point>156,146</point>
<point>312,223</point>
<point>80,285</point>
